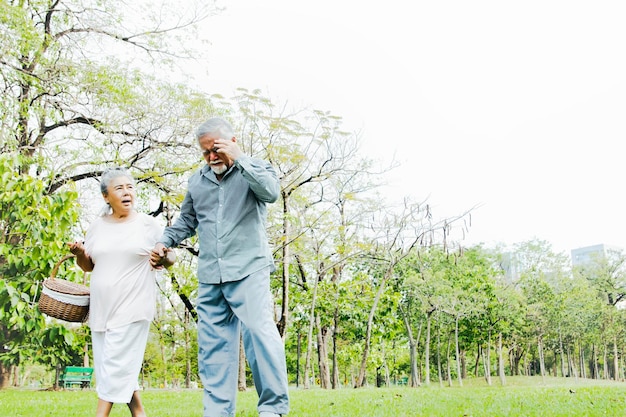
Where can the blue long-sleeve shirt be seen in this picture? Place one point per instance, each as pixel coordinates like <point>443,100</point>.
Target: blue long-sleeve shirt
<point>230,219</point>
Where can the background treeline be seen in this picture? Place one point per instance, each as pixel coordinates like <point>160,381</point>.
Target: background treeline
<point>367,291</point>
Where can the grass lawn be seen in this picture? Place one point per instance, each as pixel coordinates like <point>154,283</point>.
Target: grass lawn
<point>522,396</point>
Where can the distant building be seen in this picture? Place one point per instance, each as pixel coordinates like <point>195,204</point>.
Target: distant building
<point>582,256</point>
<point>510,265</point>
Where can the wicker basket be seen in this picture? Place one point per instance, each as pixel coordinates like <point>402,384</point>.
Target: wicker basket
<point>63,299</point>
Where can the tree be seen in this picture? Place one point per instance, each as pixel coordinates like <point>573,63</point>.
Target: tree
<point>318,164</point>
<point>34,227</point>
<point>75,100</point>
<point>606,275</point>
<point>396,235</point>
<point>423,280</point>
<point>64,82</point>
<point>540,272</point>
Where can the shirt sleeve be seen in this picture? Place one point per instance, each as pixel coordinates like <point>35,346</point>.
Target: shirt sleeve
<point>261,176</point>
<point>184,226</point>
<point>154,229</point>
<point>90,237</point>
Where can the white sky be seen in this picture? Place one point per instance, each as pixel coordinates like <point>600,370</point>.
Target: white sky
<point>518,107</point>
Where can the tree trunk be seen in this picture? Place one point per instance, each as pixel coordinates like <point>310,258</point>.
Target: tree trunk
<point>384,365</point>
<point>439,370</point>
<point>427,350</point>
<point>487,360</point>
<point>307,361</point>
<point>517,352</point>
<point>542,363</point>
<point>479,352</point>
<point>286,254</point>
<point>458,355</point>
<point>573,372</point>
<point>368,333</point>
<point>322,354</point>
<point>335,370</point>
<point>449,361</point>
<point>16,376</point>
<point>57,374</point>
<point>562,354</point>
<point>615,359</point>
<point>413,359</point>
<point>187,352</point>
<point>501,361</point>
<point>241,380</point>
<point>605,356</point>
<point>581,364</point>
<point>309,340</point>
<point>412,348</point>
<point>164,361</point>
<point>298,355</point>
<point>594,359</point>
<point>86,355</point>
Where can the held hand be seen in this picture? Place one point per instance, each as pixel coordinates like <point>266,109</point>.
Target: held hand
<point>161,256</point>
<point>169,258</point>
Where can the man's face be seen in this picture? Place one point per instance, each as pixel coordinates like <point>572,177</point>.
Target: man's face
<point>218,161</point>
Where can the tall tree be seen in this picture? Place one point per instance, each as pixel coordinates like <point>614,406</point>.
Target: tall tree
<point>68,90</point>
<point>396,234</point>
<point>312,154</point>
<point>79,94</point>
<point>541,269</point>
<point>34,227</point>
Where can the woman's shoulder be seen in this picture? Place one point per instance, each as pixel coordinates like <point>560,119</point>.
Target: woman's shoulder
<point>96,222</point>
<point>147,219</point>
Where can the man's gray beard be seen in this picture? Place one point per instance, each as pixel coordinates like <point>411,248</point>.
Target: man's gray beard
<point>219,169</point>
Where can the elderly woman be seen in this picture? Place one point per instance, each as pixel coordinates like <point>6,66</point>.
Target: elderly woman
<point>123,290</point>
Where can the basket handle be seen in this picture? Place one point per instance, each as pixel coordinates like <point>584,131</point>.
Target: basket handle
<point>54,271</point>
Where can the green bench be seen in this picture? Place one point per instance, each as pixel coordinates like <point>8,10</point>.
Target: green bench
<point>76,375</point>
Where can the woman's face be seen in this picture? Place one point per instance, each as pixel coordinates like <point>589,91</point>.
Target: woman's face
<point>121,195</point>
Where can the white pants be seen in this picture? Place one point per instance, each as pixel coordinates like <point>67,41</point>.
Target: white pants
<point>118,357</point>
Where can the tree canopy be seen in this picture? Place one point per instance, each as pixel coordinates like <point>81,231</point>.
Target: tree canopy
<point>366,290</point>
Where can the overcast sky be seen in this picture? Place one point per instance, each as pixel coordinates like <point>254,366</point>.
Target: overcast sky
<point>516,107</point>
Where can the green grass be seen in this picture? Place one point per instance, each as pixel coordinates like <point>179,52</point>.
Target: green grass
<point>523,397</point>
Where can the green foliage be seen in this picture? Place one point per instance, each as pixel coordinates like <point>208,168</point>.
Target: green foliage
<point>79,96</point>
<point>81,93</point>
<point>35,227</point>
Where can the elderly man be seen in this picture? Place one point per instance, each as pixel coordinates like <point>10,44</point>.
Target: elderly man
<point>226,205</point>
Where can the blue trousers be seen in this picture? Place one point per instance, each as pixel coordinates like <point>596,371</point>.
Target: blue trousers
<point>223,309</point>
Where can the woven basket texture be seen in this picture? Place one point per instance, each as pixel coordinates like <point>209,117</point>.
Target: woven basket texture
<point>63,310</point>
<point>66,287</point>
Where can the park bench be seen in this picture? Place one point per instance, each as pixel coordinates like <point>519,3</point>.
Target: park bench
<point>76,375</point>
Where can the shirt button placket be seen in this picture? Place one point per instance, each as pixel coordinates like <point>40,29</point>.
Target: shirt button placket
<point>220,214</point>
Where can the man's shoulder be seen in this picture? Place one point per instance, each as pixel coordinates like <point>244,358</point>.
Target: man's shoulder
<point>197,174</point>
<point>247,162</point>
